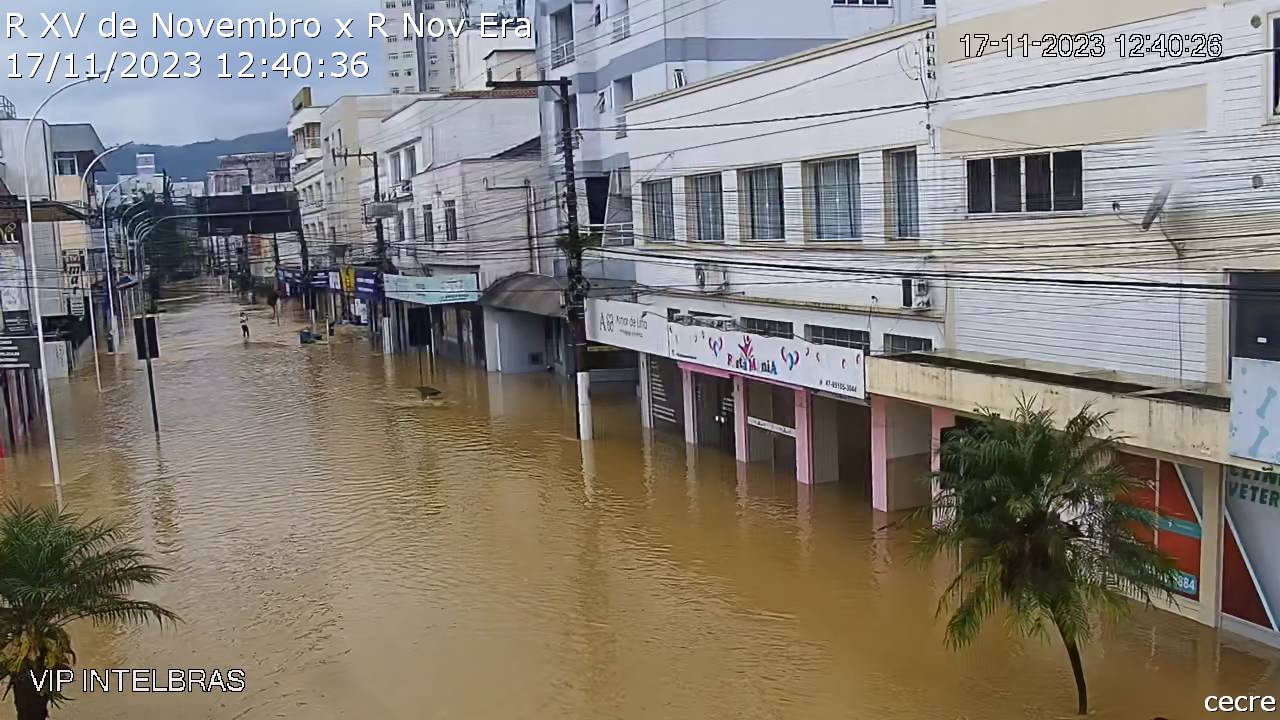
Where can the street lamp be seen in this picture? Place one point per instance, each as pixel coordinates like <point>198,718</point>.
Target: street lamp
<point>35,280</point>
<point>113,300</point>
<point>93,321</point>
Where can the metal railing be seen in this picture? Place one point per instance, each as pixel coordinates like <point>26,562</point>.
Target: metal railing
<point>622,27</point>
<point>562,54</point>
<point>620,126</point>
<point>613,234</point>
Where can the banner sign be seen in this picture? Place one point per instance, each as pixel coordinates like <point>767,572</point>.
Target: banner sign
<point>17,352</point>
<point>1255,410</point>
<point>365,284</point>
<point>627,325</point>
<point>439,290</point>
<point>791,361</point>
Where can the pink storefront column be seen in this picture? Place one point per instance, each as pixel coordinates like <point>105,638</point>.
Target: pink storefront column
<point>942,419</point>
<point>690,418</point>
<point>804,439</point>
<point>879,453</point>
<point>742,450</point>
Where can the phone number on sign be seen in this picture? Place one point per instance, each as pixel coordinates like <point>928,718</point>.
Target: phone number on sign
<point>228,66</point>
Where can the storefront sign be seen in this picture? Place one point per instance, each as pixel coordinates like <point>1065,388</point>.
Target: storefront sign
<point>320,280</point>
<point>439,290</point>
<point>335,280</point>
<point>18,352</point>
<point>1255,409</point>
<point>366,284</point>
<point>772,427</point>
<point>1250,563</point>
<point>792,361</point>
<point>348,275</point>
<point>627,325</point>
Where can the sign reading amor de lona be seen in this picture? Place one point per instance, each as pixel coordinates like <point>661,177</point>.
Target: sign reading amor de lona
<point>793,361</point>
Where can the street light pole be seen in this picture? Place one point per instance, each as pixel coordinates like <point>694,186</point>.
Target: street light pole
<point>35,279</point>
<point>93,321</point>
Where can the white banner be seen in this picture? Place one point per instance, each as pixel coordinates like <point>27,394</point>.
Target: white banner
<point>627,325</point>
<point>793,361</point>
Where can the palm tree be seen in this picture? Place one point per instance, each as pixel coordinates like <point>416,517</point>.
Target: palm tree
<point>1043,526</point>
<point>55,568</point>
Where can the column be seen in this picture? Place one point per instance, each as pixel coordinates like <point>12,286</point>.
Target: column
<point>804,439</point>
<point>741,434</point>
<point>941,419</point>
<point>646,408</point>
<point>879,453</point>
<point>690,415</point>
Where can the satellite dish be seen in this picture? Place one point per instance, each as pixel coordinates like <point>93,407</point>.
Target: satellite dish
<point>1157,205</point>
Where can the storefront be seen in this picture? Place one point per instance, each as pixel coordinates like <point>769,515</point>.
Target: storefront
<point>752,395</point>
<point>444,305</point>
<point>366,291</point>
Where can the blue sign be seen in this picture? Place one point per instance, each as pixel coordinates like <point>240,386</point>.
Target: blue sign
<point>368,285</point>
<point>320,281</point>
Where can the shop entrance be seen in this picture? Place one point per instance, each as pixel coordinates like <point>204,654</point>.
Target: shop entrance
<point>713,411</point>
<point>771,425</point>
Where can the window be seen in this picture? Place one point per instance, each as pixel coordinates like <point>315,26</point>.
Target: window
<point>678,78</point>
<point>428,225</point>
<point>1275,65</point>
<point>450,221</point>
<point>395,73</point>
<point>833,199</point>
<point>659,211</point>
<point>904,199</point>
<point>595,16</point>
<point>408,73</point>
<point>769,328</point>
<point>391,4</point>
<point>395,91</point>
<point>411,225</point>
<point>66,165</point>
<point>894,344</point>
<point>930,3</point>
<point>842,337</point>
<point>761,193</point>
<point>601,101</point>
<point>855,3</point>
<point>707,207</point>
<point>393,56</point>
<point>1037,182</point>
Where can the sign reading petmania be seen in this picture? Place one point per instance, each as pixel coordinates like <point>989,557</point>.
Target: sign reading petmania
<point>792,361</point>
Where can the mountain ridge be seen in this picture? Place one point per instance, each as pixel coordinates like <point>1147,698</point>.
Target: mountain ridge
<point>194,160</point>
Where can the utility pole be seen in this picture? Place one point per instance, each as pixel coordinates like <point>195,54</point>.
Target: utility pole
<point>380,247</point>
<point>576,299</point>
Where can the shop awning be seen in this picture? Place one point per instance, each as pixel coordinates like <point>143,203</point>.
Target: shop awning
<point>13,209</point>
<point>542,294</point>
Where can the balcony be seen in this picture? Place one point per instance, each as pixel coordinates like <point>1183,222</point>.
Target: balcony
<point>562,54</point>
<point>611,234</point>
<point>620,126</point>
<point>622,27</point>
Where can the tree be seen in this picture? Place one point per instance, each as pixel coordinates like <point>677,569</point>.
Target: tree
<point>55,568</point>
<point>1043,526</point>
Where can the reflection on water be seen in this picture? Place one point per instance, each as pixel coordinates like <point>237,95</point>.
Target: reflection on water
<point>363,553</point>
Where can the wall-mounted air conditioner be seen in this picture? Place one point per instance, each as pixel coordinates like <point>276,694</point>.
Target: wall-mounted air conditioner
<point>710,278</point>
<point>916,294</point>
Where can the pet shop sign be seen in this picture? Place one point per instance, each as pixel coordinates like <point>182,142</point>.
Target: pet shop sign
<point>793,361</point>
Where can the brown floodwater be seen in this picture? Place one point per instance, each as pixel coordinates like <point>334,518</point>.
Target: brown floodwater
<point>361,553</point>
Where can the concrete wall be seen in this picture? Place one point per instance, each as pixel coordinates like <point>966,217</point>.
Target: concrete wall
<point>511,338</point>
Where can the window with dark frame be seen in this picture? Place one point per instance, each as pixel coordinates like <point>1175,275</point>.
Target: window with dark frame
<point>905,193</point>
<point>428,225</point>
<point>833,198</point>
<point>1275,65</point>
<point>450,221</point>
<point>894,344</point>
<point>841,337</point>
<point>1033,183</point>
<point>659,210</point>
<point>761,190</point>
<point>707,200</point>
<point>768,328</point>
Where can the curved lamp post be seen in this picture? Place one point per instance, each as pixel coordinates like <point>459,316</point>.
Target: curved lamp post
<point>93,321</point>
<point>35,283</point>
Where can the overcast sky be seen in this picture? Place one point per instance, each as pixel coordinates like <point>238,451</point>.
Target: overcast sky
<point>179,111</point>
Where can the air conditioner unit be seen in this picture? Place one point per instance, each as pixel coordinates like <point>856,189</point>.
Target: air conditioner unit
<point>711,279</point>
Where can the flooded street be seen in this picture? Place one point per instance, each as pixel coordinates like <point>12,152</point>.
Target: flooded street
<point>363,553</point>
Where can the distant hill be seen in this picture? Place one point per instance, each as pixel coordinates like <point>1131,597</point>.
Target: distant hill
<point>195,160</point>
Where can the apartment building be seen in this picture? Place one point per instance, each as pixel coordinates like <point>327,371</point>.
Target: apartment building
<point>428,64</point>
<point>764,241</point>
<point>464,172</point>
<point>615,55</point>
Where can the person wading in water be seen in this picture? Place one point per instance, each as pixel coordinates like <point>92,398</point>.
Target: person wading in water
<point>244,325</point>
